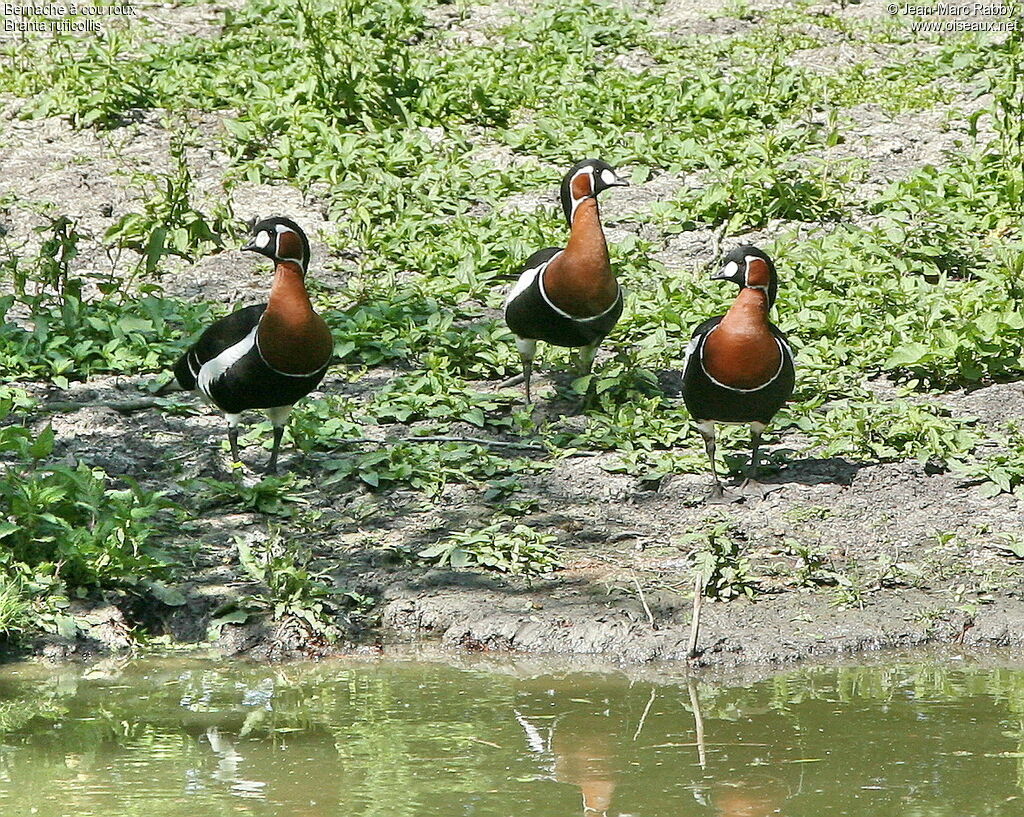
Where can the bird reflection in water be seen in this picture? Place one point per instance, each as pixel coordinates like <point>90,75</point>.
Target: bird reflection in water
<point>578,747</point>
<point>589,743</point>
<point>747,798</point>
<point>291,790</point>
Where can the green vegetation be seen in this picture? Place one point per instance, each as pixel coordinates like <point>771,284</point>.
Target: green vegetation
<point>54,327</point>
<point>500,546</point>
<point>719,559</point>
<point>387,121</point>
<point>170,224</point>
<point>293,589</point>
<point>1002,470</point>
<point>68,532</point>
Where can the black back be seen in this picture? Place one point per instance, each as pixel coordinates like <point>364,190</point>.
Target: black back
<point>249,383</point>
<point>530,316</point>
<point>220,335</point>
<point>252,384</point>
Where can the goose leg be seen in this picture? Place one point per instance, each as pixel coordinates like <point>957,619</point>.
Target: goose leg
<point>586,358</point>
<point>751,484</point>
<point>707,431</point>
<point>586,364</point>
<point>279,419</point>
<point>756,430</point>
<point>527,349</point>
<point>233,421</point>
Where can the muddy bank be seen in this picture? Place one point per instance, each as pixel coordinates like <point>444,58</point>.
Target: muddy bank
<point>770,632</point>
<point>572,619</point>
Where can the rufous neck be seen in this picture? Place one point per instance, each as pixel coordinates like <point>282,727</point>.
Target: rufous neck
<point>289,287</point>
<point>586,234</point>
<point>750,305</point>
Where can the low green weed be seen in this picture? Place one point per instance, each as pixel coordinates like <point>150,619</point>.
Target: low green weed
<point>764,185</point>
<point>14,606</point>
<point>294,589</point>
<point>275,496</point>
<point>718,556</point>
<point>69,335</point>
<point>860,303</point>
<point>425,466</point>
<point>169,223</point>
<point>323,423</point>
<point>66,530</point>
<point>813,567</point>
<point>379,328</point>
<point>889,431</point>
<point>516,549</point>
<point>388,122</point>
<point>1002,471</point>
<point>435,395</point>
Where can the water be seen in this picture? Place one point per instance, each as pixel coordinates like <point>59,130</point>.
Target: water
<point>163,738</point>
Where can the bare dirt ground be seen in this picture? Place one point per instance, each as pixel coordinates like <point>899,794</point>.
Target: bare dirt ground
<point>916,544</point>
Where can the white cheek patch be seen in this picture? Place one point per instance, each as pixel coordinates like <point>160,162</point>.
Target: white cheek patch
<point>262,239</point>
<point>730,269</point>
<point>608,177</point>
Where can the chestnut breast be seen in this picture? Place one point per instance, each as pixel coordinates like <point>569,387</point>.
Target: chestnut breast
<point>292,337</point>
<point>741,351</point>
<point>580,280</point>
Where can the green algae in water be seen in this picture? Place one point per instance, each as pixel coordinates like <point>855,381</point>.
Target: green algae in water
<point>395,738</point>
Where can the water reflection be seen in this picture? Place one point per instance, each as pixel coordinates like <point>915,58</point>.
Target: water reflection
<point>406,738</point>
<point>748,798</point>
<point>577,749</point>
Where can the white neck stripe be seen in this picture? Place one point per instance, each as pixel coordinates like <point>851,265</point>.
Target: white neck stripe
<point>618,297</point>
<point>577,202</point>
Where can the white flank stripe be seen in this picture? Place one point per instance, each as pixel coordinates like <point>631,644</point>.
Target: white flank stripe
<point>217,367</point>
<point>690,349</point>
<point>526,279</point>
<point>193,363</point>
